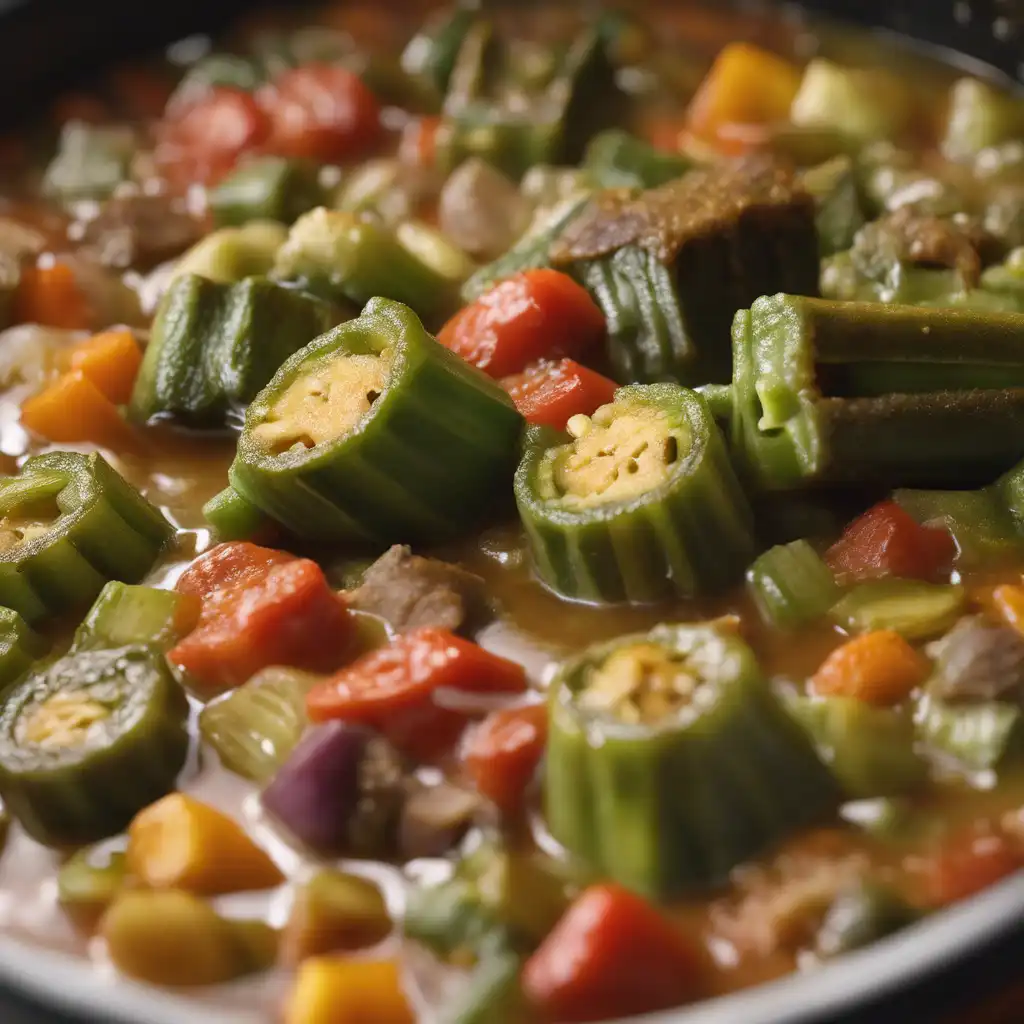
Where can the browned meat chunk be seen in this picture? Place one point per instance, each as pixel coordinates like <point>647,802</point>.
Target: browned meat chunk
<point>409,591</point>
<point>140,232</point>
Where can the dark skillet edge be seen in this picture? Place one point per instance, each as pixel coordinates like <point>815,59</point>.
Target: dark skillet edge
<point>933,969</point>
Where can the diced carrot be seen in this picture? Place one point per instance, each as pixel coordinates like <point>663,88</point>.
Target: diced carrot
<point>888,541</point>
<point>611,955</point>
<point>969,863</point>
<point>746,85</point>
<point>537,314</point>
<point>200,141</point>
<point>111,360</point>
<point>320,112</point>
<point>286,615</point>
<point>333,990</point>
<point>879,668</point>
<point>1008,602</point>
<point>49,294</point>
<point>181,843</point>
<point>418,145</point>
<point>228,564</point>
<point>550,393</point>
<point>503,752</point>
<point>409,689</point>
<point>72,409</point>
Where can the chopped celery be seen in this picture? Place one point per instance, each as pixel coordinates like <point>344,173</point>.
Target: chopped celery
<point>869,749</point>
<point>912,608</point>
<point>791,585</point>
<point>124,615</point>
<point>980,116</point>
<point>256,726</point>
<point>977,736</point>
<point>91,161</point>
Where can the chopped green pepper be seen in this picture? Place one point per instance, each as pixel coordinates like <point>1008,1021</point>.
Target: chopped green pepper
<point>89,741</point>
<point>842,392</point>
<point>375,432</point>
<point>791,585</point>
<point>638,503</point>
<point>214,346</point>
<point>869,749</point>
<point>20,646</point>
<point>68,524</point>
<point>270,188</point>
<point>670,760</point>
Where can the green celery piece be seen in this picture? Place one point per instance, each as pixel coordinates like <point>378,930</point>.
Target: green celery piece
<point>791,585</point>
<point>979,736</point>
<point>124,615</point>
<point>914,609</point>
<point>979,521</point>
<point>617,159</point>
<point>270,188</point>
<point>91,162</point>
<point>254,727</point>
<point>980,116</point>
<point>870,750</point>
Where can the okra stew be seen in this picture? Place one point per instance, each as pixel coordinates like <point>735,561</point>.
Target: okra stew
<point>522,523</point>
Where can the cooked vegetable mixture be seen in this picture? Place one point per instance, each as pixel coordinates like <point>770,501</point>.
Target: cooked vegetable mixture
<point>522,524</point>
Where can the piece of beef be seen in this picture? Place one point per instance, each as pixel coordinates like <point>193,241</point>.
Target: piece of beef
<point>410,591</point>
<point>140,231</point>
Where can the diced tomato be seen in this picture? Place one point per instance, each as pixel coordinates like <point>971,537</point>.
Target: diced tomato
<point>611,955</point>
<point>280,612</point>
<point>321,112</point>
<point>227,565</point>
<point>888,541</point>
<point>969,863</point>
<point>202,139</point>
<point>409,689</point>
<point>549,393</point>
<point>537,314</point>
<point>503,752</point>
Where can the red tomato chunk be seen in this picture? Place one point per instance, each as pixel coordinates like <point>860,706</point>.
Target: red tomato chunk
<point>887,541</point>
<point>260,608</point>
<point>408,690</point>
<point>549,394</point>
<point>538,314</point>
<point>612,954</point>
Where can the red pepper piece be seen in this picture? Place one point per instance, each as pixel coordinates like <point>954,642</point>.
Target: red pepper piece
<point>611,955</point>
<point>551,393</point>
<point>320,112</point>
<point>888,541</point>
<point>202,139</point>
<point>408,690</point>
<point>503,751</point>
<point>537,314</point>
<point>278,612</point>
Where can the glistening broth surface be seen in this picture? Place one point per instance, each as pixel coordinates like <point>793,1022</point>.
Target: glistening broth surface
<point>768,919</point>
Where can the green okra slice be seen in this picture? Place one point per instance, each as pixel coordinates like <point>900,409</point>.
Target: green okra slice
<point>233,517</point>
<point>377,433</point>
<point>638,503</point>
<point>870,750</point>
<point>90,740</point>
<point>269,188</point>
<point>791,585</point>
<point>124,614</point>
<point>914,609</point>
<point>846,392</point>
<point>215,345</point>
<point>68,524</point>
<point>20,646</point>
<point>670,760</point>
<point>339,254</point>
<point>669,267</point>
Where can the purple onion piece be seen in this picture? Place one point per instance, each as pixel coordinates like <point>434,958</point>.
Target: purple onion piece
<point>316,793</point>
